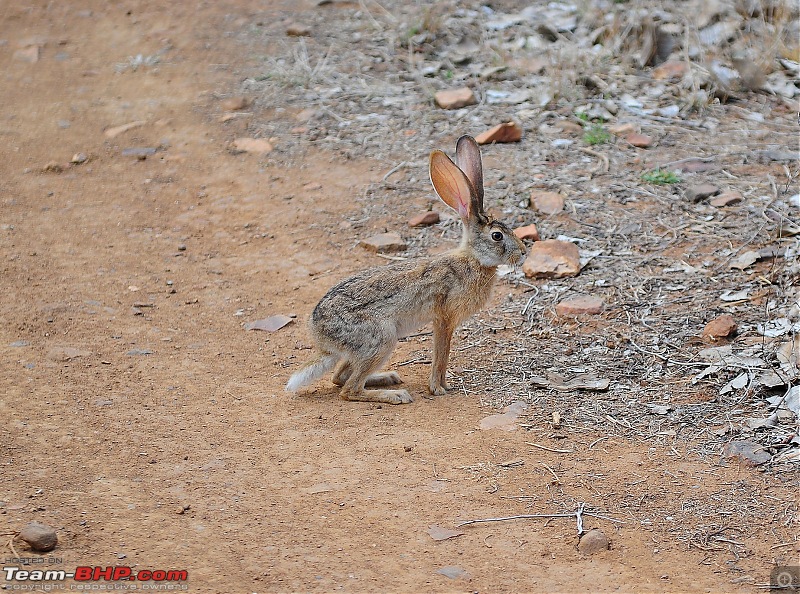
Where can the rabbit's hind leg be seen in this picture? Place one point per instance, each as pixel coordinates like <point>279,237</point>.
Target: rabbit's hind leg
<point>360,376</point>
<point>379,379</point>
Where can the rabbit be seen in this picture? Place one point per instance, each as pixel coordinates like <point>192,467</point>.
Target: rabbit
<point>357,324</point>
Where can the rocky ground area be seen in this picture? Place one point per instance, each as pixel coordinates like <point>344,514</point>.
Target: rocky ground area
<point>182,184</point>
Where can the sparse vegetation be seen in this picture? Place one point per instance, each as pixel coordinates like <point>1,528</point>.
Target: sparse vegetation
<point>596,134</point>
<point>660,177</point>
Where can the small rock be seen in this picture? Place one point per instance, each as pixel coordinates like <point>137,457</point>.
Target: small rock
<point>182,509</point>
<point>140,152</point>
<point>701,192</point>
<point>27,54</point>
<point>670,70</point>
<point>548,203</point>
<point>305,115</point>
<point>748,452</point>
<point>593,542</point>
<point>312,186</point>
<point>257,146</point>
<point>552,258</point>
<point>234,103</point>
<point>506,132</point>
<point>79,158</point>
<point>622,129</point>
<point>65,354</point>
<point>455,98</point>
<point>695,166</point>
<point>726,199</point>
<point>453,572</point>
<point>767,156</point>
<point>424,219</point>
<point>569,127</point>
<point>53,167</point>
<point>584,304</point>
<point>40,537</point>
<point>139,352</point>
<point>298,30</point>
<point>639,140</point>
<point>384,242</point>
<point>720,327</point>
<point>117,130</point>
<point>527,232</point>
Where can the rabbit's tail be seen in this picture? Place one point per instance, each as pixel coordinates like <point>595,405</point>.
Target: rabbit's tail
<point>311,372</point>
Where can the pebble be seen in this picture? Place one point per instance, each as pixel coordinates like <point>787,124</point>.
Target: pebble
<point>670,70</point>
<point>64,354</point>
<point>455,98</point>
<point>569,127</point>
<point>424,219</point>
<point>639,140</point>
<point>748,452</point>
<point>720,327</point>
<point>79,158</point>
<point>453,572</point>
<point>506,132</point>
<point>726,199</point>
<point>139,352</point>
<point>548,203</point>
<point>384,242</point>
<point>298,30</point>
<point>40,537</point>
<point>695,166</point>
<point>234,103</point>
<point>552,258</point>
<point>140,152</point>
<point>593,542</point>
<point>27,54</point>
<point>527,232</point>
<point>257,146</point>
<point>622,129</point>
<point>701,192</point>
<point>584,304</point>
<point>306,115</point>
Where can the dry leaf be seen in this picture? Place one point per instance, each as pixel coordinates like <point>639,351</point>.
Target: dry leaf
<point>270,324</point>
<point>583,381</point>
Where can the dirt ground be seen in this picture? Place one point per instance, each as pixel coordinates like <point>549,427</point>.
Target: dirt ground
<point>145,425</point>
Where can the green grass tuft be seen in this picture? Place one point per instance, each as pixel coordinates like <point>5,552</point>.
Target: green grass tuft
<point>660,177</point>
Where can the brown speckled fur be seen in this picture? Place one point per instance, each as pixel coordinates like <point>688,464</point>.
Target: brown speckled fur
<point>358,322</point>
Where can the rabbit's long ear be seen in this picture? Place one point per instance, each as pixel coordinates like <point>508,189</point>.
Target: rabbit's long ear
<point>451,184</point>
<point>468,159</point>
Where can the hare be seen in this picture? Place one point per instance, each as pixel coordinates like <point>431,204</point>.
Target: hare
<point>357,324</point>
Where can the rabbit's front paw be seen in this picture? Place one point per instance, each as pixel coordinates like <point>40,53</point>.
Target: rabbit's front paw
<point>438,389</point>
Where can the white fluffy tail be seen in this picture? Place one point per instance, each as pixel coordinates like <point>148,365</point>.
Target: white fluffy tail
<point>311,372</point>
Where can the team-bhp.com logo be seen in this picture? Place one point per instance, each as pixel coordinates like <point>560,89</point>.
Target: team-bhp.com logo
<point>150,579</point>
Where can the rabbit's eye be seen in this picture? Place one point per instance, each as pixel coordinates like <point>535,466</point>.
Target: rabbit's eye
<point>497,236</point>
